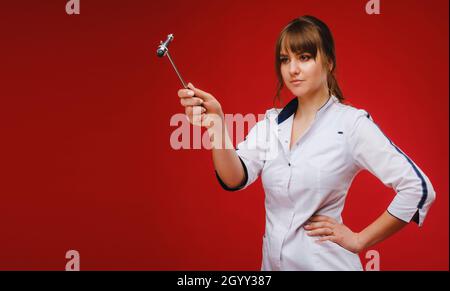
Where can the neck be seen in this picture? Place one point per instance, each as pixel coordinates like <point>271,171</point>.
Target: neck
<point>308,105</point>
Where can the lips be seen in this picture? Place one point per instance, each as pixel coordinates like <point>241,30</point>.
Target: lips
<point>297,81</point>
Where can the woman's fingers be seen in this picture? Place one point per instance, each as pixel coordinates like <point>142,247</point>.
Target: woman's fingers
<point>324,226</point>
<point>321,224</point>
<point>197,103</point>
<point>319,228</point>
<point>185,93</point>
<point>192,91</point>
<point>191,110</point>
<point>320,231</point>
<point>192,101</point>
<point>199,93</point>
<point>195,114</point>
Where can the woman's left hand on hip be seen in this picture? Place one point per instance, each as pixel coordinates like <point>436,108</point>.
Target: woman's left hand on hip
<point>329,229</point>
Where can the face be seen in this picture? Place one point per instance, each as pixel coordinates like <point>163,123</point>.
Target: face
<point>302,75</point>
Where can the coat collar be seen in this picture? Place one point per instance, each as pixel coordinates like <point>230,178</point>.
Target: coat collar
<point>292,106</point>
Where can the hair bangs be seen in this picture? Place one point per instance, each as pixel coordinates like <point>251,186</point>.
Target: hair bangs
<point>300,39</point>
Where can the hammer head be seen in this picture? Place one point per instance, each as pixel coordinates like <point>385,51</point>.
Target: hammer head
<point>163,47</point>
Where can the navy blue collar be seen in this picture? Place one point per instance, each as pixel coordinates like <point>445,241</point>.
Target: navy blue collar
<point>288,110</point>
<point>291,108</point>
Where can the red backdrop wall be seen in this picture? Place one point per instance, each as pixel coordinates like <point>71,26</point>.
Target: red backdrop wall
<point>86,161</point>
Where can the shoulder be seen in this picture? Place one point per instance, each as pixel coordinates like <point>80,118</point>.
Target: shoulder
<point>267,119</point>
<point>352,115</point>
<point>265,125</point>
<point>272,113</point>
<point>261,127</point>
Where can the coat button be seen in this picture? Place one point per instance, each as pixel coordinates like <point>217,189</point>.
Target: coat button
<point>289,164</point>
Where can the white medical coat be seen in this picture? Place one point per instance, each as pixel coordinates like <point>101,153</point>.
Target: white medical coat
<point>314,177</point>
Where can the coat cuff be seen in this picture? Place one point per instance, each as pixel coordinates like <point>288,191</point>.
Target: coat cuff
<point>407,214</point>
<point>242,185</point>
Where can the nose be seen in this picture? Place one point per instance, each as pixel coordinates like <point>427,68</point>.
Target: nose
<point>294,67</point>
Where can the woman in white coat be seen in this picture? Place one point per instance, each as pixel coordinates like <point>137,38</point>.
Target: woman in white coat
<point>307,155</point>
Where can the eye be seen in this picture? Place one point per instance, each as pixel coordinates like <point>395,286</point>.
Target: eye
<point>284,59</point>
<point>305,58</point>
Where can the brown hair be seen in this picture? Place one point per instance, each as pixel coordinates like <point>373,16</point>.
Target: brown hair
<point>307,34</point>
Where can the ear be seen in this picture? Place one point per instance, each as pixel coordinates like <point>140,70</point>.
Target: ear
<point>330,66</point>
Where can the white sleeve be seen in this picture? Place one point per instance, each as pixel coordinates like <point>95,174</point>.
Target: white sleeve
<point>251,152</point>
<point>374,151</point>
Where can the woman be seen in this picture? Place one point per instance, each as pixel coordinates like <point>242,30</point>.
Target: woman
<point>307,156</point>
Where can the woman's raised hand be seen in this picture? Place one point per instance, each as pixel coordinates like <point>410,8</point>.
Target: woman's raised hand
<point>201,107</point>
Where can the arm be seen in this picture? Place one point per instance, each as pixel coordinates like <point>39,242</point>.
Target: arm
<point>329,229</point>
<point>382,228</point>
<point>204,110</point>
<point>373,151</point>
<point>226,161</point>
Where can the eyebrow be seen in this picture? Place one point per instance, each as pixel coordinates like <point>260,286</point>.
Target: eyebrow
<point>301,53</point>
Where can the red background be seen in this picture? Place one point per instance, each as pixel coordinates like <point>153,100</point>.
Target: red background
<point>86,162</point>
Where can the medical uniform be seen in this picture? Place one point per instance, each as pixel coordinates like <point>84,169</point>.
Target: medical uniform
<point>313,177</point>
